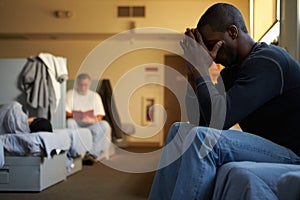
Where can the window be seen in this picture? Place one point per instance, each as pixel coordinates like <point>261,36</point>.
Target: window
<point>131,11</point>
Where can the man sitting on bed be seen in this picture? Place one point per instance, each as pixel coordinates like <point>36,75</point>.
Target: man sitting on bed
<point>14,120</point>
<point>84,108</point>
<point>259,88</point>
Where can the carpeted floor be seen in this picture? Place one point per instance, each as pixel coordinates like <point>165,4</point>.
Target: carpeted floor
<point>97,182</point>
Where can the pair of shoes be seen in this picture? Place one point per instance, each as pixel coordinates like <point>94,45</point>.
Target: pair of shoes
<point>88,160</point>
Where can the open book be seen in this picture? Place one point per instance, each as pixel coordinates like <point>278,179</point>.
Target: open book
<point>79,115</point>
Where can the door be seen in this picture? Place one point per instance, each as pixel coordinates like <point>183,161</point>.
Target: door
<point>174,105</point>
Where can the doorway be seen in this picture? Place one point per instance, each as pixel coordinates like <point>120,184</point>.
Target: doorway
<point>174,106</point>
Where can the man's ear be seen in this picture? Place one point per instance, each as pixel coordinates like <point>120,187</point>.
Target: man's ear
<point>233,31</point>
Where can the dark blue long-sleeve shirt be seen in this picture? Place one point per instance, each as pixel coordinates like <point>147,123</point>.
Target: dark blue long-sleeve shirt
<point>262,95</point>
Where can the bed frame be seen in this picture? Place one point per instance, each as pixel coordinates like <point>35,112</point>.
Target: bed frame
<point>32,173</point>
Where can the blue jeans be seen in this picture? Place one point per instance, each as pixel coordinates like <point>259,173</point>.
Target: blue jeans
<point>101,134</point>
<point>192,155</point>
<point>257,180</point>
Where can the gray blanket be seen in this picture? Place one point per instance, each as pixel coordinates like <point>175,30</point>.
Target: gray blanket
<point>13,119</point>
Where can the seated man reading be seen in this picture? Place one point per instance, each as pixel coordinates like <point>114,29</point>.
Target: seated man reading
<point>84,108</point>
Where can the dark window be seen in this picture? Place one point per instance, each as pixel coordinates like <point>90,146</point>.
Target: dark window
<point>138,11</point>
<point>123,11</point>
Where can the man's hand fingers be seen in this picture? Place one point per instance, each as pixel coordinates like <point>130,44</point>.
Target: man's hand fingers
<point>189,33</point>
<point>215,49</point>
<point>198,37</point>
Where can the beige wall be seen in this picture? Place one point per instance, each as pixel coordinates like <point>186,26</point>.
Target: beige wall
<point>30,28</point>
<point>265,16</point>
<point>99,16</point>
<point>91,23</point>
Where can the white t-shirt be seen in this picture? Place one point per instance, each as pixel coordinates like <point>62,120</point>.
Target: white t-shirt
<point>90,101</point>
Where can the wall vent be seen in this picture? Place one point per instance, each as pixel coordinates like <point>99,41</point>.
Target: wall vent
<point>131,11</point>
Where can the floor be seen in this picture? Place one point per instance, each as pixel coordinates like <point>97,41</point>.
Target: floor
<point>127,175</point>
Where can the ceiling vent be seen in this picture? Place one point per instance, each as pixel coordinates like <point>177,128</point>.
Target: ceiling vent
<point>131,11</point>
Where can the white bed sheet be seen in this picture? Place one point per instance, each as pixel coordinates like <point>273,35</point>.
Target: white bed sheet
<point>33,144</point>
<point>76,142</point>
<point>81,141</point>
